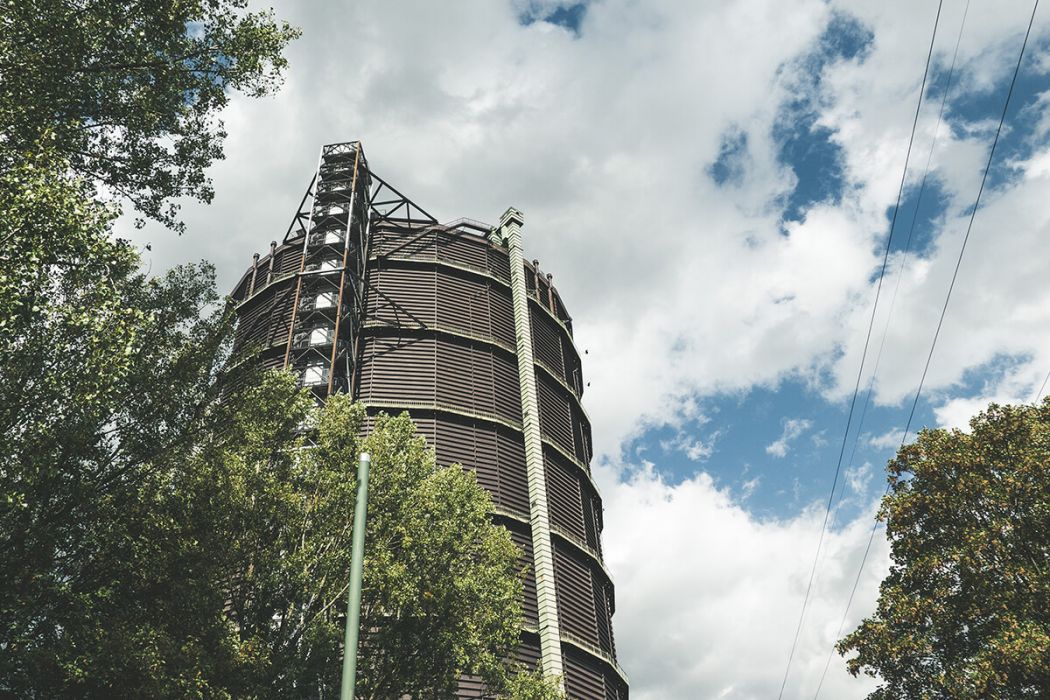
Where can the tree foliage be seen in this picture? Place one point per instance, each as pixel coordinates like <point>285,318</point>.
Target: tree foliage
<point>526,685</point>
<point>129,93</point>
<point>156,541</point>
<point>106,379</point>
<point>164,534</point>
<point>965,610</point>
<point>441,586</point>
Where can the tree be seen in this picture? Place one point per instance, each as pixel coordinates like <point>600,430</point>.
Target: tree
<point>965,610</point>
<point>441,588</point>
<point>533,686</point>
<point>128,94</point>
<point>151,534</point>
<point>164,534</point>
<point>107,380</point>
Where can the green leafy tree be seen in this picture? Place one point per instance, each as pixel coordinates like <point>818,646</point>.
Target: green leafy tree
<point>441,587</point>
<point>107,380</point>
<point>526,685</point>
<point>163,534</point>
<point>151,534</point>
<point>965,610</point>
<point>129,93</point>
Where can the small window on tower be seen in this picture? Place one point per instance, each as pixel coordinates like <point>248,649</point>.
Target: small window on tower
<point>325,300</point>
<point>320,336</point>
<point>330,264</point>
<point>314,375</point>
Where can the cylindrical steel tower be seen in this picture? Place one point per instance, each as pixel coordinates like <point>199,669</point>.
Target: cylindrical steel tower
<point>369,294</point>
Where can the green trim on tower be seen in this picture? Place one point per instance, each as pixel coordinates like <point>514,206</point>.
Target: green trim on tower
<point>508,232</point>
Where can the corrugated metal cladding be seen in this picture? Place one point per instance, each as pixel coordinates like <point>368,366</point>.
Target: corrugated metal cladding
<point>438,340</point>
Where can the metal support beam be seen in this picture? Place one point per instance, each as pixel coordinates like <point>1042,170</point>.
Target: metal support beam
<point>542,550</point>
<point>342,274</point>
<point>302,266</point>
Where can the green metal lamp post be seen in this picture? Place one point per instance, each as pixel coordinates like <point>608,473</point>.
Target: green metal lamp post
<point>357,565</point>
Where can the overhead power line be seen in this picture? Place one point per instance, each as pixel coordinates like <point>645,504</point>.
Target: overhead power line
<point>969,226</point>
<point>864,354</point>
<point>1039,395</point>
<point>951,287</point>
<point>911,231</point>
<point>896,289</point>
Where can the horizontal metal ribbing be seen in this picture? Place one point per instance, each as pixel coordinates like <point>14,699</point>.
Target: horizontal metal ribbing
<point>554,317</point>
<point>444,330</point>
<point>441,262</point>
<point>572,458</point>
<point>277,280</point>
<point>481,272</point>
<point>458,411</point>
<point>569,538</point>
<point>443,408</point>
<point>587,648</point>
<point>577,543</point>
<point>486,340</point>
<point>564,385</point>
<point>262,262</point>
<point>429,260</point>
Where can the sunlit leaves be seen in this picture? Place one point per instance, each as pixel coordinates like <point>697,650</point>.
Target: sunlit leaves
<point>130,93</point>
<point>442,589</point>
<point>107,383</point>
<point>965,610</point>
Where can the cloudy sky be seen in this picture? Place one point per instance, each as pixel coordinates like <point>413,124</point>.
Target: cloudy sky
<point>712,186</point>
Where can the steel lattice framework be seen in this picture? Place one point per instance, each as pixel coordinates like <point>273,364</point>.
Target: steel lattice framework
<point>369,294</point>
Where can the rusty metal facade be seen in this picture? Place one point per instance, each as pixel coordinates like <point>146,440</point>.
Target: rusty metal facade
<point>419,316</point>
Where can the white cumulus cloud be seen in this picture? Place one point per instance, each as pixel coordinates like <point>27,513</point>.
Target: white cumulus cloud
<point>708,596</point>
<point>680,287</point>
<point>793,428</point>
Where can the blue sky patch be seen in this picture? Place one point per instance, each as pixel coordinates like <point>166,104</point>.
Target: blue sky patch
<point>922,209</point>
<point>569,16</point>
<point>815,159</point>
<point>981,380</point>
<point>729,167</point>
<point>977,112</point>
<point>806,147</point>
<point>775,448</point>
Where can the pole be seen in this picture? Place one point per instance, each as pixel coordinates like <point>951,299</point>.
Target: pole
<point>357,566</point>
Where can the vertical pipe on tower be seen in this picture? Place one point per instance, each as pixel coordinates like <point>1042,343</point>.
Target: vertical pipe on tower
<point>543,552</point>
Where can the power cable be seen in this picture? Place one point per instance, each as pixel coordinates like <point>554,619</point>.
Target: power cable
<point>864,354</point>
<point>951,287</point>
<point>969,226</point>
<point>896,289</point>
<point>907,244</point>
<point>1041,389</point>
